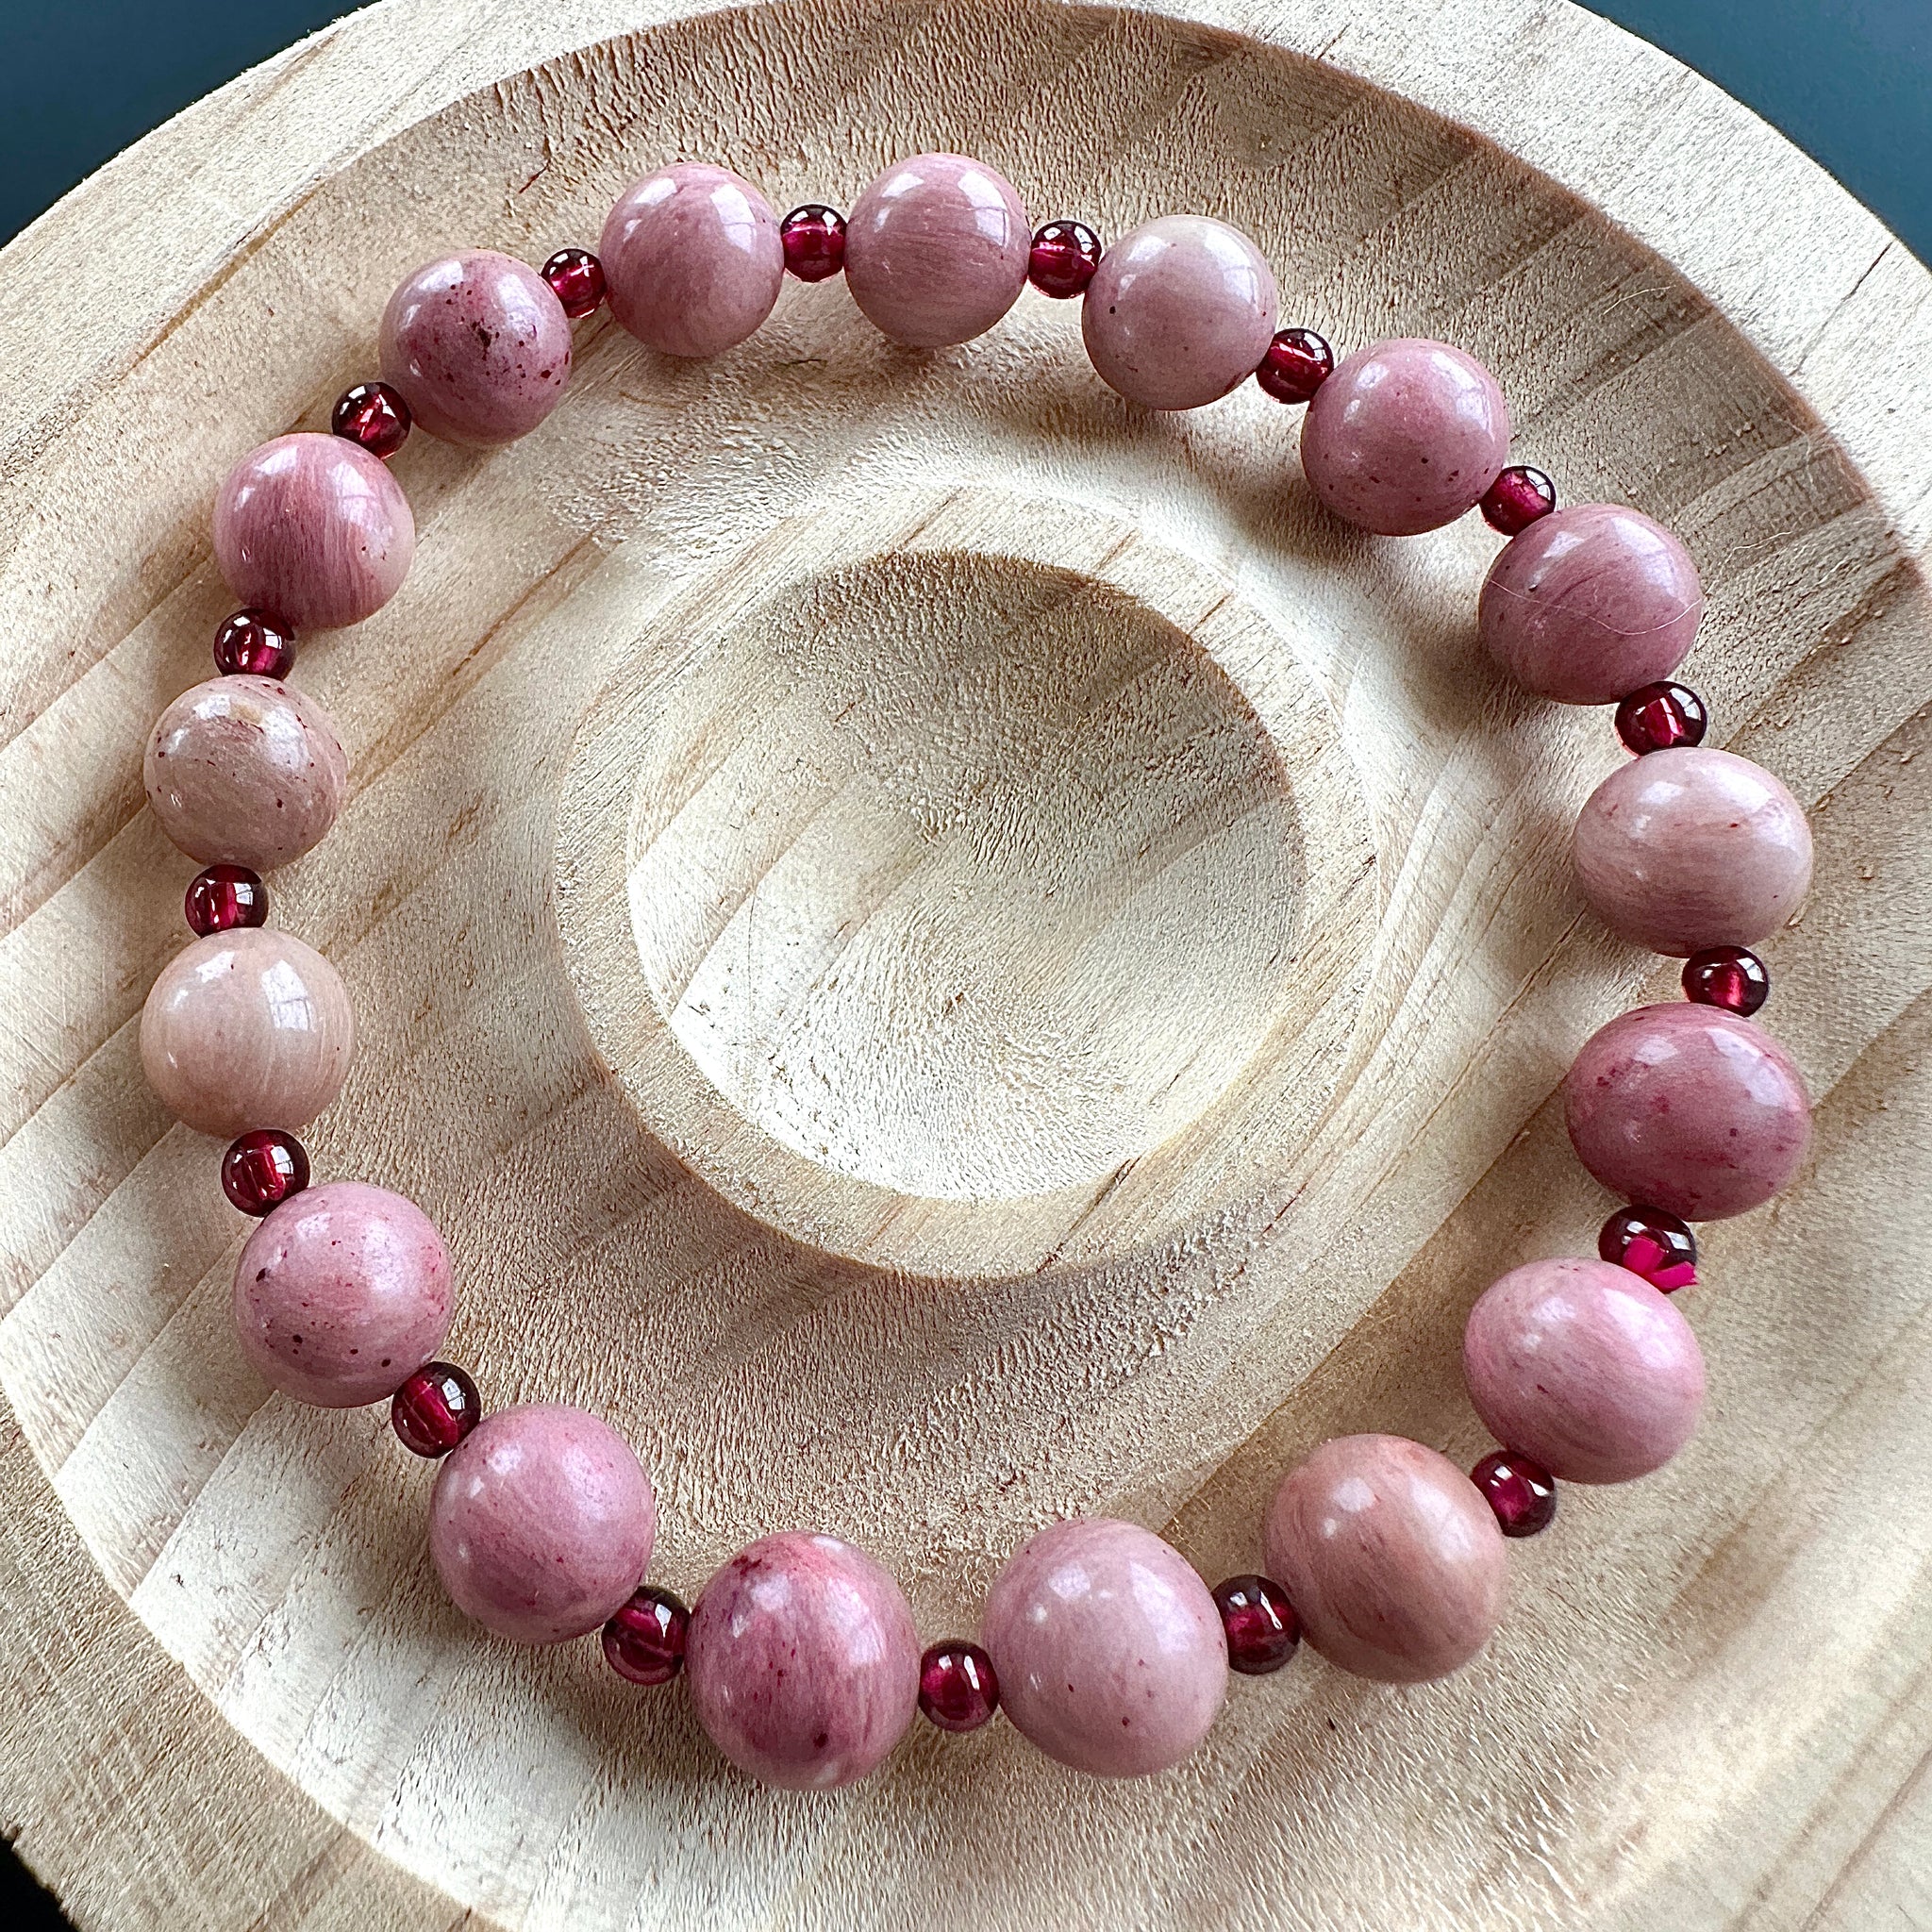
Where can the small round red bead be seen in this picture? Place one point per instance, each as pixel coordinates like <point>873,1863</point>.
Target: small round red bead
<point>1062,260</point>
<point>1262,1628</point>
<point>251,643</point>
<point>1728,977</point>
<point>223,897</point>
<point>261,1170</point>
<point>374,417</point>
<point>957,1687</point>
<point>1517,498</point>
<point>814,241</point>
<point>1522,1494</point>
<point>1650,1243</point>
<point>1297,364</point>
<point>645,1642</point>
<point>435,1408</point>
<point>577,279</point>
<point>1656,717</point>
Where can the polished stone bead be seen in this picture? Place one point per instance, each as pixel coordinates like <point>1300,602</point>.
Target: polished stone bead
<point>434,1408</point>
<point>1659,1246</point>
<point>1520,1492</point>
<point>958,1688</point>
<point>373,416</point>
<point>1062,259</point>
<point>1656,717</point>
<point>251,643</point>
<point>577,279</point>
<point>645,1642</point>
<point>1297,364</point>
<point>1733,978</point>
<point>1259,1623</point>
<point>262,1169</point>
<point>222,897</point>
<point>814,241</point>
<point>1518,497</point>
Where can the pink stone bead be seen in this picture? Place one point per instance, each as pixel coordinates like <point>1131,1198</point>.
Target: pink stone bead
<point>246,771</point>
<point>1585,1367</point>
<point>1588,603</point>
<point>247,1028</point>
<point>693,260</point>
<point>542,1523</point>
<point>802,1661</point>
<point>1693,847</point>
<point>1108,1646</point>
<point>315,529</point>
<point>342,1294</point>
<point>1406,436</point>
<point>937,249</point>
<point>478,346</point>
<point>1180,312</point>
<point>1391,1556</point>
<point>1687,1109</point>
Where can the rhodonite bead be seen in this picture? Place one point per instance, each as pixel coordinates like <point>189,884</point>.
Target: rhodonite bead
<point>1521,1494</point>
<point>1394,1561</point>
<point>340,1293</point>
<point>1516,499</point>
<point>1656,717</point>
<point>577,279</point>
<point>1588,603</point>
<point>645,1642</point>
<point>1405,437</point>
<point>434,1408</point>
<point>1692,848</point>
<point>246,1028</point>
<point>1297,364</point>
<point>936,250</point>
<point>1180,312</point>
<point>224,896</point>
<point>1732,977</point>
<point>958,1688</point>
<point>1062,259</point>
<point>1659,1246</point>
<point>1108,1647</point>
<point>1689,1108</point>
<point>373,416</point>
<point>1259,1624</point>
<point>1585,1367</point>
<point>803,1664</point>
<point>251,643</point>
<point>540,1523</point>
<point>478,346</point>
<point>262,1169</point>
<point>245,771</point>
<point>814,241</point>
<point>315,529</point>
<point>693,258</point>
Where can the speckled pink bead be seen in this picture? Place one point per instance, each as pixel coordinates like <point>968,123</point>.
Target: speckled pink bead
<point>1689,1109</point>
<point>313,530</point>
<point>342,1294</point>
<point>1180,311</point>
<point>478,346</point>
<point>247,771</point>
<point>1585,1367</point>
<point>1590,603</point>
<point>542,1523</point>
<point>1390,1556</point>
<point>1110,1649</point>
<point>1406,436</point>
<point>693,260</point>
<point>247,1028</point>
<point>802,1661</point>
<point>1693,847</point>
<point>936,250</point>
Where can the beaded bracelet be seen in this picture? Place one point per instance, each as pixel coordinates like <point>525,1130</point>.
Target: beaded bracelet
<point>1100,1642</point>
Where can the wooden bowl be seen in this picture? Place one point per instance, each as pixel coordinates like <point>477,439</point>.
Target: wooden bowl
<point>946,952</point>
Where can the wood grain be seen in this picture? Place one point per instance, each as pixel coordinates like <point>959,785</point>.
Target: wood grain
<point>948,952</point>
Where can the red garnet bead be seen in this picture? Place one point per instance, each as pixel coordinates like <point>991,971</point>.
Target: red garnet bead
<point>1062,260</point>
<point>1727,976</point>
<point>1523,1493</point>
<point>374,417</point>
<point>1517,498</point>
<point>1656,717</point>
<point>1263,1631</point>
<point>958,1688</point>
<point>1651,1243</point>
<point>1297,364</point>
<point>435,1408</point>
<point>226,896</point>
<point>262,1169</point>
<point>813,238</point>
<point>251,643</point>
<point>577,279</point>
<point>644,1640</point>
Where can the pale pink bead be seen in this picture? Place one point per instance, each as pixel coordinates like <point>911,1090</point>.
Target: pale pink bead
<point>1390,1556</point>
<point>1110,1649</point>
<point>802,1661</point>
<point>1180,311</point>
<point>247,1028</point>
<point>936,250</point>
<point>1406,436</point>
<point>1689,1109</point>
<point>313,530</point>
<point>1590,603</point>
<point>245,770</point>
<point>478,346</point>
<point>693,260</point>
<point>1693,847</point>
<point>342,1294</point>
<point>542,1523</point>
<point>1583,1367</point>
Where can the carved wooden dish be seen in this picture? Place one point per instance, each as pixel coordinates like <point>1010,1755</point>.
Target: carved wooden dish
<point>946,952</point>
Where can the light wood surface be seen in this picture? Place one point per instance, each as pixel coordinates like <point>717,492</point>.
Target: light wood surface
<point>946,952</point>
